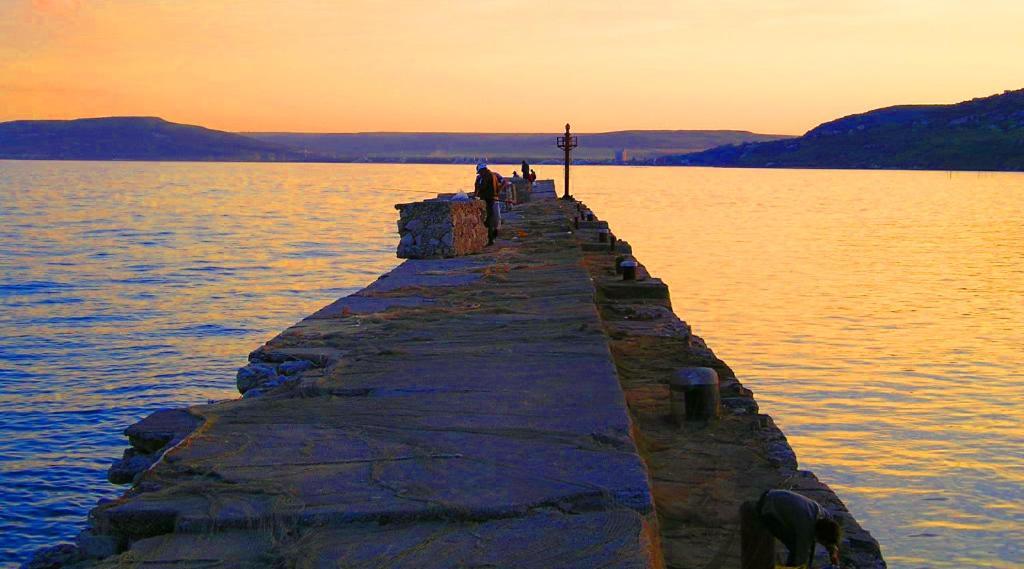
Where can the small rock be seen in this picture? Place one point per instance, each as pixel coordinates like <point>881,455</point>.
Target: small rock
<point>131,465</point>
<point>54,557</point>
<point>276,382</point>
<point>254,374</point>
<point>781,454</point>
<point>740,405</point>
<point>96,546</point>
<point>254,392</point>
<point>294,367</point>
<point>160,428</point>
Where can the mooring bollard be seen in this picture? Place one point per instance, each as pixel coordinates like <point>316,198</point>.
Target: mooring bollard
<point>590,215</point>
<point>602,235</point>
<point>576,222</point>
<point>611,242</point>
<point>618,263</point>
<point>693,394</point>
<point>628,270</point>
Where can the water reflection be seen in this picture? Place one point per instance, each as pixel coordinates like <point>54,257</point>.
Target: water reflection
<point>876,315</point>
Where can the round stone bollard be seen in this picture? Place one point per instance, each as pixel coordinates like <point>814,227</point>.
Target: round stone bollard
<point>694,395</point>
<point>628,270</point>
<point>618,263</point>
<point>602,235</point>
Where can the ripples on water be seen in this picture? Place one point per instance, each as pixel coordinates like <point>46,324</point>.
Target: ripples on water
<point>877,315</point>
<point>130,287</point>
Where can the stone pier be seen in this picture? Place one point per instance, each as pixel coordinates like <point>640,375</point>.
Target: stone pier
<point>508,408</point>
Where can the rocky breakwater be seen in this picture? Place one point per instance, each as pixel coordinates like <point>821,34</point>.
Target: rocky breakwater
<point>701,471</point>
<point>457,412</point>
<point>513,408</point>
<point>441,228</point>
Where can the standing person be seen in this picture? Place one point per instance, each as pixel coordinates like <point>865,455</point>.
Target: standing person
<point>532,177</point>
<point>526,168</point>
<point>486,188</point>
<point>796,521</point>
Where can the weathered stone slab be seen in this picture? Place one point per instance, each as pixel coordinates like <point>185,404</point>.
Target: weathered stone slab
<point>419,273</point>
<point>597,247</point>
<point>361,304</point>
<point>161,428</point>
<point>647,289</point>
<point>540,540</point>
<point>149,438</point>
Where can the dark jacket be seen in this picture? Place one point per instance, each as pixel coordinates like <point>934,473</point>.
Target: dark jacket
<point>791,518</point>
<point>484,187</point>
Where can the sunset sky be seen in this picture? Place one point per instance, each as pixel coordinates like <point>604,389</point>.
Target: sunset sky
<point>778,66</point>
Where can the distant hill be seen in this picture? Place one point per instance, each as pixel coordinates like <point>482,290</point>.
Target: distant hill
<point>980,134</point>
<point>131,138</point>
<point>639,145</point>
<point>151,138</point>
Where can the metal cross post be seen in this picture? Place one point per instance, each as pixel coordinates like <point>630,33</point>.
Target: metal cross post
<point>567,143</point>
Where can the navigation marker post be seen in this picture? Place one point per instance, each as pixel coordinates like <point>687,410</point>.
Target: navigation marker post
<point>567,143</point>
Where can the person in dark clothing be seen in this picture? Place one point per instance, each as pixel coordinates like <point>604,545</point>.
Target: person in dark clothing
<point>796,521</point>
<point>486,188</point>
<point>526,168</point>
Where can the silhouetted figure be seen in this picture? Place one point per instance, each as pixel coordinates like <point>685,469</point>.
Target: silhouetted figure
<point>796,521</point>
<point>532,177</point>
<point>486,188</point>
<point>526,168</point>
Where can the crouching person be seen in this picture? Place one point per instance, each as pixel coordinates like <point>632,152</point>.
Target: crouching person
<point>798,522</point>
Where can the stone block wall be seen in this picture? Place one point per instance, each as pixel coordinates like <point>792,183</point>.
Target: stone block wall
<point>521,192</point>
<point>441,228</point>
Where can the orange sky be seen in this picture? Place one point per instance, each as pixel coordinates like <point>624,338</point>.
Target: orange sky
<point>779,66</point>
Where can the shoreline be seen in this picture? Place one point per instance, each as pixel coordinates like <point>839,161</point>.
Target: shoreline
<point>511,162</point>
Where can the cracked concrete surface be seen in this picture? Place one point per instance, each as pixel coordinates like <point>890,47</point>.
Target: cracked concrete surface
<point>469,414</point>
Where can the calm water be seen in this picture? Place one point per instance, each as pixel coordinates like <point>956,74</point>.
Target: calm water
<point>877,315</point>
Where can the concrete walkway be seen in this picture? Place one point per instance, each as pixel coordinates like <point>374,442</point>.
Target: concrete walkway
<point>466,412</point>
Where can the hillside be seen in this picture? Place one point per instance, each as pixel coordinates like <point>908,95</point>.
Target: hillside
<point>639,145</point>
<point>980,134</point>
<point>151,138</point>
<point>130,138</point>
